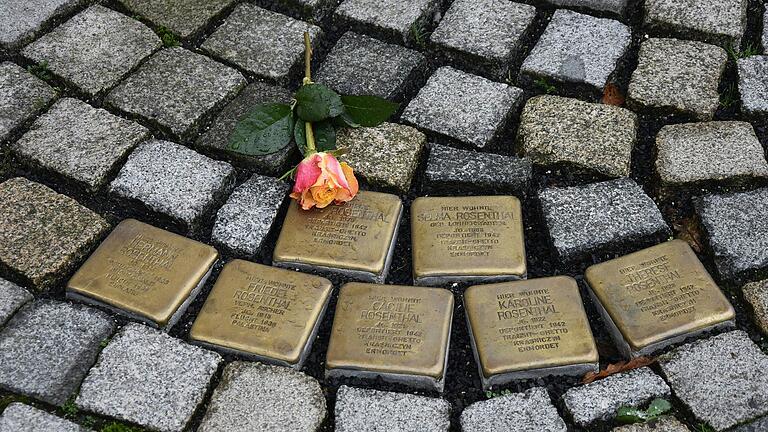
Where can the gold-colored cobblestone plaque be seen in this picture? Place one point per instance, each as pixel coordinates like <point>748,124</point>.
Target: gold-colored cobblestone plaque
<point>144,272</point>
<point>475,239</point>
<point>657,297</point>
<point>399,333</point>
<point>356,239</point>
<point>528,329</point>
<point>269,313</point>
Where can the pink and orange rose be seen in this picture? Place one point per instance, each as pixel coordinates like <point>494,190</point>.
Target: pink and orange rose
<point>322,180</point>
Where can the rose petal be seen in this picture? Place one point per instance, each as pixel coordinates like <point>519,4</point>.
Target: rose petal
<point>307,173</point>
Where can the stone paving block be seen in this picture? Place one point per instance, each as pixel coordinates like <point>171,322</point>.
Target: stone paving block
<point>577,49</point>
<point>753,85</point>
<point>677,77</point>
<point>173,180</point>
<point>765,33</point>
<point>721,380</point>
<point>362,65</point>
<point>12,297</point>
<point>265,43</point>
<point>721,22</point>
<point>22,20</point>
<point>79,142</point>
<point>461,171</point>
<point>386,155</point>
<point>95,49</point>
<point>45,234</point>
<point>47,348</point>
<point>148,378</point>
<point>379,411</point>
<point>314,11</point>
<point>392,19</point>
<point>737,232</point>
<point>529,411</point>
<point>186,18</point>
<point>18,417</point>
<point>484,36</point>
<point>599,400</point>
<point>759,425</point>
<point>463,107</point>
<point>22,96</point>
<point>661,424</point>
<point>175,89</point>
<point>611,216</point>
<point>756,294</point>
<point>216,139</point>
<point>615,7</point>
<point>596,137</point>
<point>709,152</point>
<point>257,397</point>
<point>244,221</point>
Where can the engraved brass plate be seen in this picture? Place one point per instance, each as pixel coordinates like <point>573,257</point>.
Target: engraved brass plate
<point>391,329</point>
<point>262,310</point>
<point>357,235</point>
<point>144,270</point>
<point>658,293</point>
<point>467,236</point>
<point>532,324</point>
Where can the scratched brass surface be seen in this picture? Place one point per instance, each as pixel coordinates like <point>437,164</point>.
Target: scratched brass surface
<point>144,270</point>
<point>467,236</point>
<point>391,329</point>
<point>531,324</point>
<point>658,293</point>
<point>262,310</point>
<point>354,236</point>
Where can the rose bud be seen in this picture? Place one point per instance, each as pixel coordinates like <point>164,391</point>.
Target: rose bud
<point>322,180</point>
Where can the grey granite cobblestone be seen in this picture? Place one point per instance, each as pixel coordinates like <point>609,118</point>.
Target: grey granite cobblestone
<point>611,216</point>
<point>79,142</point>
<point>484,36</point>
<point>176,89</point>
<point>379,411</point>
<point>722,379</point>
<point>756,294</point>
<point>362,65</point>
<point>599,400</point>
<point>461,171</point>
<point>399,20</point>
<point>45,234</point>
<point>173,180</point>
<point>148,378</point>
<point>678,77</point>
<point>463,107</point>
<point>22,20</point>
<point>529,411</point>
<point>614,7</point>
<point>577,49</point>
<point>18,417</point>
<point>186,18</point>
<point>721,22</point>
<point>264,43</point>
<point>12,297</point>
<point>588,136</point>
<point>256,397</point>
<point>22,96</point>
<point>244,221</point>
<point>661,424</point>
<point>95,49</point>
<point>753,85</point>
<point>47,348</point>
<point>739,244</point>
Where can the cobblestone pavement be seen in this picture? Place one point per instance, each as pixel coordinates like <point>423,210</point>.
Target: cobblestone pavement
<point>118,111</point>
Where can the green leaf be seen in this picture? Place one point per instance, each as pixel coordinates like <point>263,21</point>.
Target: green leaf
<point>368,110</point>
<point>630,415</point>
<point>325,136</point>
<point>658,407</point>
<point>316,102</point>
<point>265,129</point>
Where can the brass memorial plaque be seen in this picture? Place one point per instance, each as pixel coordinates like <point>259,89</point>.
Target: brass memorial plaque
<point>399,333</point>
<point>356,238</point>
<point>265,312</point>
<point>529,329</point>
<point>467,239</point>
<point>144,272</point>
<point>656,297</point>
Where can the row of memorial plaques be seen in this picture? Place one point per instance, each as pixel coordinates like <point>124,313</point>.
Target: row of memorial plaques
<point>519,329</point>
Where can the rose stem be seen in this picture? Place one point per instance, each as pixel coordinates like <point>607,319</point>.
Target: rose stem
<point>308,80</point>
